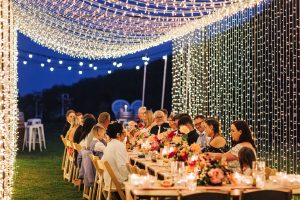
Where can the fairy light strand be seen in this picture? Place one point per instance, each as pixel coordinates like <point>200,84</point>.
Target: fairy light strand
<point>252,63</point>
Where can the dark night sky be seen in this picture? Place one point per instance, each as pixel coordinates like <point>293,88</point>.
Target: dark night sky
<point>34,78</point>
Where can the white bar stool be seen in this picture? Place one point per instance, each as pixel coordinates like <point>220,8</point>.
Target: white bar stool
<point>42,134</point>
<point>34,129</point>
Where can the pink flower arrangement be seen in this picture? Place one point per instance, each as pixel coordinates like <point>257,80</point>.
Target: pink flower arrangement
<point>216,175</point>
<point>212,172</point>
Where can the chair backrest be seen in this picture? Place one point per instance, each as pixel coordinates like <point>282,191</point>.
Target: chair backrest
<point>114,179</point>
<point>267,194</point>
<point>129,168</point>
<point>34,121</point>
<point>216,195</point>
<point>69,143</point>
<point>94,160</point>
<point>77,147</point>
<point>63,139</point>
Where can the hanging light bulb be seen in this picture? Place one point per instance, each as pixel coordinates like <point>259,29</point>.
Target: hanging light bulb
<point>95,68</point>
<point>80,64</point>
<point>51,69</point>
<point>60,62</point>
<point>30,55</point>
<point>79,72</point>
<point>25,62</point>
<point>42,65</point>
<point>69,68</point>
<point>49,60</point>
<point>109,71</point>
<point>91,65</point>
<point>137,67</point>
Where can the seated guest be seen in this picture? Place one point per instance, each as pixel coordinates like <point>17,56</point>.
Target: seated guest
<point>147,119</point>
<point>165,111</point>
<point>200,127</point>
<point>84,138</point>
<point>241,136</point>
<point>104,119</point>
<point>69,117</point>
<point>172,123</point>
<point>115,153</point>
<point>80,117</point>
<point>246,157</point>
<point>159,124</point>
<point>192,134</point>
<point>141,112</point>
<point>217,143</point>
<point>75,123</point>
<point>98,143</point>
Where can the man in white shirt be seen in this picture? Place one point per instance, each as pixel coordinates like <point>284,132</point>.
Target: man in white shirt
<point>115,153</point>
<point>199,125</point>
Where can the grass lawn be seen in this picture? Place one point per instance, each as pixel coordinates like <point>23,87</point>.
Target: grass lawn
<point>38,175</point>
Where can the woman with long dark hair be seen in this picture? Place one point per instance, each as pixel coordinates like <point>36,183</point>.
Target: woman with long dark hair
<point>217,143</point>
<point>81,137</point>
<point>242,137</point>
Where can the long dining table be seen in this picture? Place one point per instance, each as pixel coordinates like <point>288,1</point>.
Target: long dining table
<point>162,171</point>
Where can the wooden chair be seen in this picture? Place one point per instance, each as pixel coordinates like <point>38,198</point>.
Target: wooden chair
<point>216,195</point>
<point>99,180</point>
<point>100,168</point>
<point>88,191</point>
<point>65,152</point>
<point>69,163</point>
<point>77,148</point>
<point>113,180</point>
<point>267,194</point>
<point>133,169</point>
<point>129,168</point>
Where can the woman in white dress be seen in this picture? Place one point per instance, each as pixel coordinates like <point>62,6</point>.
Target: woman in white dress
<point>242,137</point>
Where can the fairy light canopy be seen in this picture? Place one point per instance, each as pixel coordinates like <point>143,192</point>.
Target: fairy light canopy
<point>110,28</point>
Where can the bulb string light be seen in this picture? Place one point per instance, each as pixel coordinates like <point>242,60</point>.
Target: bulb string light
<point>252,64</point>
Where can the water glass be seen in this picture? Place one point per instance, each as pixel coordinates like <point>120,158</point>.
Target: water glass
<point>191,181</point>
<point>258,173</point>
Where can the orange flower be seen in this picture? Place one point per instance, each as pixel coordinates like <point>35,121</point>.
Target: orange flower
<point>202,164</point>
<point>195,148</point>
<point>184,129</point>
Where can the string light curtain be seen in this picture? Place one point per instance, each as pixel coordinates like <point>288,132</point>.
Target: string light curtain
<point>247,67</point>
<point>108,28</point>
<point>8,99</point>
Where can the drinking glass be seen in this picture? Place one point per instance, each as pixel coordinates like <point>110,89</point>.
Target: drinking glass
<point>258,173</point>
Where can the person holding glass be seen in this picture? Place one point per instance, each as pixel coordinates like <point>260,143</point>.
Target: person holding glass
<point>241,136</point>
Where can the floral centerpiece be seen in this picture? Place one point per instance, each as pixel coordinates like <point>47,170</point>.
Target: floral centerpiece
<point>136,134</point>
<point>165,138</point>
<point>182,151</point>
<point>212,172</point>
